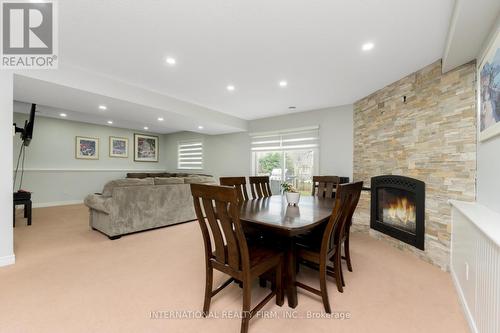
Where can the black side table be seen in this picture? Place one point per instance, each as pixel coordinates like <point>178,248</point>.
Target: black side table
<point>22,198</point>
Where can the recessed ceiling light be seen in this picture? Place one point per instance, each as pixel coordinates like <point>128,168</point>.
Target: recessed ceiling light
<point>103,107</point>
<point>292,107</point>
<point>367,46</point>
<point>110,122</point>
<point>63,114</point>
<point>160,119</point>
<point>283,83</point>
<point>171,61</point>
<point>230,88</point>
<point>200,127</point>
<point>146,128</point>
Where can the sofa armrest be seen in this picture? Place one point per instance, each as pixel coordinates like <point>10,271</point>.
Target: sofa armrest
<point>98,202</point>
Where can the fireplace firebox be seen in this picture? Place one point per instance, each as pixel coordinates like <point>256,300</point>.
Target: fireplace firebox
<point>398,208</point>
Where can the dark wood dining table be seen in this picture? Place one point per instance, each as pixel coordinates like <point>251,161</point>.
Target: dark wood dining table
<point>273,216</point>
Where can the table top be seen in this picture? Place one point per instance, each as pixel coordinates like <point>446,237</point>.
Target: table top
<point>274,212</point>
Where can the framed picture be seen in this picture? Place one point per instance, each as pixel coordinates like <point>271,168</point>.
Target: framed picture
<point>489,91</point>
<point>87,148</point>
<point>118,147</point>
<point>145,148</point>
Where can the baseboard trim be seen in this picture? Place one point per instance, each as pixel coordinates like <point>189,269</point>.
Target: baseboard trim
<point>90,170</point>
<point>463,302</point>
<point>7,260</point>
<point>57,203</point>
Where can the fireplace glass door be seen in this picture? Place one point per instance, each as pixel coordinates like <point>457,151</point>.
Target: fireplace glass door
<point>397,208</point>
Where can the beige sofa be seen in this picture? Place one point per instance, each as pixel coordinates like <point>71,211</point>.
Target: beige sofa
<point>136,204</point>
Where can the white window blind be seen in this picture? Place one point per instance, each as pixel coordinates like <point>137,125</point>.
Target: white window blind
<point>297,139</point>
<point>190,155</point>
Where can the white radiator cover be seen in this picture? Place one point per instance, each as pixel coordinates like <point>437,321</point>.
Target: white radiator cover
<point>475,264</point>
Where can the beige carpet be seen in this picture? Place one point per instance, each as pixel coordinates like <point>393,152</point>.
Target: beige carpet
<point>68,278</point>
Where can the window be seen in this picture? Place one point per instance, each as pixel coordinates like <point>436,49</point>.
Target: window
<point>287,156</point>
<point>190,155</point>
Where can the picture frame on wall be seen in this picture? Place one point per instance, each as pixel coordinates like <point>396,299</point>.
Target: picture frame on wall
<point>87,148</point>
<point>118,147</point>
<point>489,91</point>
<point>146,148</point>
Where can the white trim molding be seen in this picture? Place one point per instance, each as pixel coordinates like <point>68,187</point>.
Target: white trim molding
<point>482,217</point>
<point>475,264</point>
<point>284,131</point>
<point>57,203</point>
<point>463,302</point>
<point>89,170</point>
<point>7,260</point>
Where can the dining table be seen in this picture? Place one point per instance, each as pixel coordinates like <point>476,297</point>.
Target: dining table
<point>274,217</point>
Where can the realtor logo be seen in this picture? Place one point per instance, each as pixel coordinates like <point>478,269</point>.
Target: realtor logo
<point>29,34</point>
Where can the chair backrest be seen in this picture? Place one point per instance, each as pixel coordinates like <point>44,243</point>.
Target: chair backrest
<point>325,186</point>
<point>239,183</point>
<point>217,211</point>
<point>346,200</point>
<point>260,187</point>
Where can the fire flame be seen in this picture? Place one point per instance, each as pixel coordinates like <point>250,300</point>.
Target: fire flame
<point>401,211</point>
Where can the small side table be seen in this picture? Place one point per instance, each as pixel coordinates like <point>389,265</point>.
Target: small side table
<point>22,198</point>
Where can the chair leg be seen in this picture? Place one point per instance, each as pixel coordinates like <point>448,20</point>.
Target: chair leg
<point>347,254</point>
<point>247,301</point>
<point>280,296</point>
<point>208,290</point>
<point>323,288</point>
<point>337,267</point>
<point>342,275</point>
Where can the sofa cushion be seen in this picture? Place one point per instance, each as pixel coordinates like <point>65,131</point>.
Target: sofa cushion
<point>200,174</point>
<point>168,180</point>
<point>199,180</point>
<point>137,175</point>
<point>159,174</point>
<point>108,188</point>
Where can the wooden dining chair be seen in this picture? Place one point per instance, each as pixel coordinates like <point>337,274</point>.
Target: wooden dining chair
<point>346,242</point>
<point>325,186</point>
<point>226,249</point>
<point>329,248</point>
<point>239,183</point>
<point>260,187</point>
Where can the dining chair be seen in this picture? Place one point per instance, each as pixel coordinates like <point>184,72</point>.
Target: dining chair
<point>239,183</point>
<point>260,187</point>
<point>319,253</point>
<point>226,249</point>
<point>325,186</point>
<point>346,242</point>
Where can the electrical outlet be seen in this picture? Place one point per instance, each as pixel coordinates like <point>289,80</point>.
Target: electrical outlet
<point>467,271</point>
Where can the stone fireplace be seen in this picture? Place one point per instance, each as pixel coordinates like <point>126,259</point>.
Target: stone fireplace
<point>398,208</point>
<point>424,127</point>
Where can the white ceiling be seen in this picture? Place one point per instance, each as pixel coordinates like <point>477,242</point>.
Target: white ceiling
<point>471,22</point>
<point>114,52</point>
<point>314,45</point>
<point>79,95</point>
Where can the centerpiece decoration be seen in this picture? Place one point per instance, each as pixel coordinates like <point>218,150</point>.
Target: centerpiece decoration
<point>292,195</point>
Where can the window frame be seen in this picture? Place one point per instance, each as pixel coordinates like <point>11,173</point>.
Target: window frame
<point>254,137</point>
<point>186,143</point>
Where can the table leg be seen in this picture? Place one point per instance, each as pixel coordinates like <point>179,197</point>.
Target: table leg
<point>291,275</point>
<point>27,212</point>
